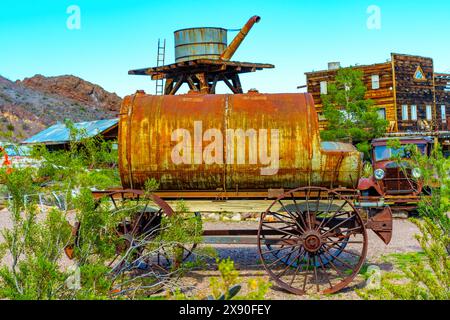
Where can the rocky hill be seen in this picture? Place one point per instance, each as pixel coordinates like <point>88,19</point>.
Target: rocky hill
<point>31,105</point>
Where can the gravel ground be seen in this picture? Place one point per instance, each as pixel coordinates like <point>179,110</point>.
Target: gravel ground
<point>247,259</point>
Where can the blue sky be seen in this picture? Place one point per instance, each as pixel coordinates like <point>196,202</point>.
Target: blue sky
<point>297,36</point>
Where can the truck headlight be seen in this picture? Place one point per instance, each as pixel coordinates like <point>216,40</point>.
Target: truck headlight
<point>416,173</point>
<point>379,174</point>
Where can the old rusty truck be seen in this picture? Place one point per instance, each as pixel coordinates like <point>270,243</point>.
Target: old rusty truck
<point>394,181</point>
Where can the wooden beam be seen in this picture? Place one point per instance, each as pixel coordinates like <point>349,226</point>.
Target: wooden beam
<point>168,86</point>
<point>177,86</point>
<point>212,90</point>
<point>191,83</point>
<point>237,83</point>
<point>227,82</point>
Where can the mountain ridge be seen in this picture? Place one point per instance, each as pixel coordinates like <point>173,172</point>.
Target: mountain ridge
<point>30,105</point>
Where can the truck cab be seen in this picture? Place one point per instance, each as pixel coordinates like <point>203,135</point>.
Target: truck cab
<point>393,181</point>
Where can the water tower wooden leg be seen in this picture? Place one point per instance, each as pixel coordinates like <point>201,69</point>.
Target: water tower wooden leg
<point>237,83</point>
<point>229,84</point>
<point>179,81</point>
<point>204,85</point>
<point>214,83</point>
<point>169,86</point>
<point>191,83</point>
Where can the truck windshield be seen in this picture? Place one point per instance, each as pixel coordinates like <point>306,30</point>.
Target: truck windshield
<point>387,153</point>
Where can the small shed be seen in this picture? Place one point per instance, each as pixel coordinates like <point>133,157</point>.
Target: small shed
<point>57,137</point>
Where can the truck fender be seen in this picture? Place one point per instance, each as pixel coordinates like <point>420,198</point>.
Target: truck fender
<point>367,183</point>
<point>381,224</point>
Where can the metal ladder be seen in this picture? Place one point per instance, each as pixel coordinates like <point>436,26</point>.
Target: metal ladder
<point>160,62</point>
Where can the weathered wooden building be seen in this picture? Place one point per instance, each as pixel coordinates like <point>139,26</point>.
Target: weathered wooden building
<point>406,89</point>
<point>442,85</point>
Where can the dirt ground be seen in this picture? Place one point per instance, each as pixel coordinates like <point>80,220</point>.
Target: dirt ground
<point>247,259</point>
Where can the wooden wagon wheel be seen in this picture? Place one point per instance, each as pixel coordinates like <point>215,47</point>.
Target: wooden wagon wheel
<point>312,239</point>
<point>139,225</point>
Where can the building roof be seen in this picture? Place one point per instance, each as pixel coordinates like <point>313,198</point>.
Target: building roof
<point>370,65</point>
<point>59,133</point>
<point>349,67</point>
<point>442,75</point>
<point>403,140</point>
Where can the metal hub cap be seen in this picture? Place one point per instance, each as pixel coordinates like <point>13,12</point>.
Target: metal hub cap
<point>312,241</point>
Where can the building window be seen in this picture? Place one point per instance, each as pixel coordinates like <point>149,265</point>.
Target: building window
<point>414,112</point>
<point>375,82</point>
<point>429,114</point>
<point>405,112</point>
<point>443,114</point>
<point>419,74</point>
<point>382,113</point>
<point>323,87</point>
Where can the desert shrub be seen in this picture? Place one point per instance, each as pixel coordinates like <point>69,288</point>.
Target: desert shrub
<point>90,162</point>
<point>367,171</point>
<point>34,244</point>
<point>229,277</point>
<point>228,285</point>
<point>25,126</point>
<point>10,127</point>
<point>36,240</point>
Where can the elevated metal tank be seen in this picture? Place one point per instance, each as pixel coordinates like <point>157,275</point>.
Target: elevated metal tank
<point>209,43</point>
<point>200,43</point>
<point>146,145</point>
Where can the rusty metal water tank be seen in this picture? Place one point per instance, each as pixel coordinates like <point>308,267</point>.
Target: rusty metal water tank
<point>200,43</point>
<point>146,145</point>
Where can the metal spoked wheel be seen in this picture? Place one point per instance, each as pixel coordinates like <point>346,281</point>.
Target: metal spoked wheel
<point>312,240</point>
<point>139,219</point>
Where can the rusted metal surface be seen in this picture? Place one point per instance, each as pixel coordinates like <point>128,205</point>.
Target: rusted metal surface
<point>381,224</point>
<point>145,143</point>
<point>234,45</point>
<point>234,236</point>
<point>200,43</point>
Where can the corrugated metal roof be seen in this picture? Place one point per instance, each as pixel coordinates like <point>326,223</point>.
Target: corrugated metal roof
<point>59,133</point>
